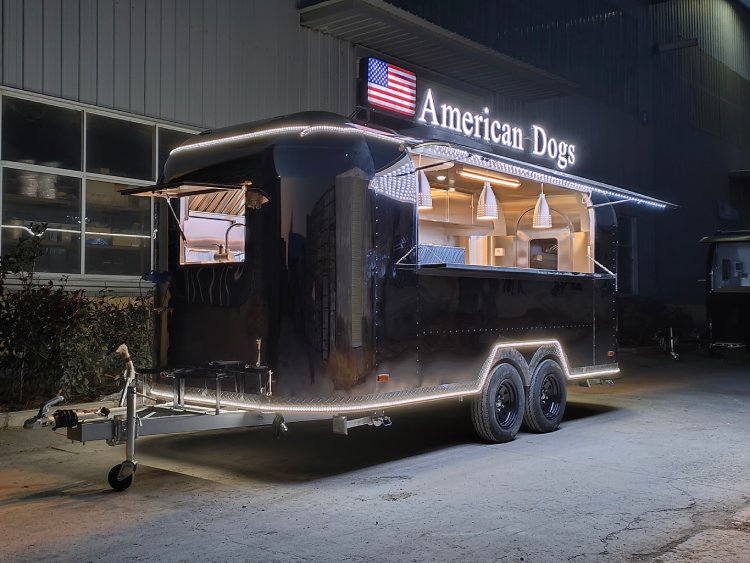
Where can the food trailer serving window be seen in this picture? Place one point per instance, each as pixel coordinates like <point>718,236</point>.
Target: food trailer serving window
<point>473,216</point>
<point>211,220</point>
<point>213,225</point>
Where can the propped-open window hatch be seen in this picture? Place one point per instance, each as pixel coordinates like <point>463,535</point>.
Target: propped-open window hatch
<point>211,218</point>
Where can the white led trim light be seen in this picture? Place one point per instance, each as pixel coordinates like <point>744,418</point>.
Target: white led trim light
<point>333,408</point>
<point>239,138</point>
<point>399,184</point>
<point>354,129</point>
<point>303,131</point>
<point>532,172</point>
<point>424,195</point>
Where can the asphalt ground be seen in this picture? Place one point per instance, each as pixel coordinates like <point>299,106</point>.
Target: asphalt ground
<point>654,467</point>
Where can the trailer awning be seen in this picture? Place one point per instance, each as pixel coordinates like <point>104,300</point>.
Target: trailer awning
<point>490,161</point>
<point>237,143</point>
<point>179,189</point>
<point>211,198</point>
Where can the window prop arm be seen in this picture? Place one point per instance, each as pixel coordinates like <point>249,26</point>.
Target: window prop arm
<point>177,219</point>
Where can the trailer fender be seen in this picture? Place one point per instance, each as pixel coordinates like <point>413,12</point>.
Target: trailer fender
<point>548,352</point>
<point>508,356</point>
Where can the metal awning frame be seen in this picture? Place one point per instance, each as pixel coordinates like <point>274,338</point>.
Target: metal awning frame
<point>436,149</point>
<point>496,163</point>
<point>179,189</point>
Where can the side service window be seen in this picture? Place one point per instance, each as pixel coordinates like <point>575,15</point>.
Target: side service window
<point>214,226</point>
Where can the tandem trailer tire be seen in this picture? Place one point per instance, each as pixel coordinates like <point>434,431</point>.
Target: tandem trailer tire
<point>115,483</point>
<point>545,403</point>
<point>497,412</point>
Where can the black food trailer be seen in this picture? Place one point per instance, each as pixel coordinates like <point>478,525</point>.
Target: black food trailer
<point>322,268</point>
<point>728,290</point>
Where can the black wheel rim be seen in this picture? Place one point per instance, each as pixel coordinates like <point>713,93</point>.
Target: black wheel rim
<point>551,397</point>
<point>506,404</point>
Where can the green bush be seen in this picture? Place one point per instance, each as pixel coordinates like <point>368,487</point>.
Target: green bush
<point>56,340</point>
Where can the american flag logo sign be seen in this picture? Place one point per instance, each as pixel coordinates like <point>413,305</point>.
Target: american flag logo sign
<point>391,87</point>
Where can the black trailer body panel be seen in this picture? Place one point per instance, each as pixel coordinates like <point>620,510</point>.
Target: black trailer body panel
<point>328,291</point>
<point>464,312</point>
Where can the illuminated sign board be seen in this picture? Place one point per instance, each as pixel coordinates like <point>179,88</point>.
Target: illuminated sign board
<point>484,127</point>
<point>394,89</point>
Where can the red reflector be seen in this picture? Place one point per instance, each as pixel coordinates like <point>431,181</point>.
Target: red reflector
<point>383,376</point>
<point>611,354</point>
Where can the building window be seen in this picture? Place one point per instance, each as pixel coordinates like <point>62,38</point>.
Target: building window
<point>118,230</point>
<point>37,133</point>
<point>36,197</point>
<point>627,271</point>
<point>64,165</point>
<point>115,147</point>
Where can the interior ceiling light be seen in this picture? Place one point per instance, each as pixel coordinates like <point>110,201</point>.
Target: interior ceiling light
<point>487,208</point>
<point>542,216</point>
<point>505,182</point>
<point>441,178</point>
<point>424,197</point>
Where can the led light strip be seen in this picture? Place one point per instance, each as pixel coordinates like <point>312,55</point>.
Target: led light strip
<point>333,408</point>
<point>358,130</point>
<point>238,138</point>
<point>303,131</point>
<point>399,184</point>
<point>522,170</point>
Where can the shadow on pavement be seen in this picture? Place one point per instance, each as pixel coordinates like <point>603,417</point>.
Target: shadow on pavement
<point>576,411</point>
<point>311,451</point>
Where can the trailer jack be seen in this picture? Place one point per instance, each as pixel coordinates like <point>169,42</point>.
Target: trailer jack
<point>342,424</point>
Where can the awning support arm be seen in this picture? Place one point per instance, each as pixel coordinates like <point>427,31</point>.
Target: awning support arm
<point>602,266</point>
<point>177,219</point>
<point>586,200</point>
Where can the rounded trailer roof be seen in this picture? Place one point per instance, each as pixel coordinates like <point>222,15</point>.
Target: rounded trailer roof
<point>194,160</point>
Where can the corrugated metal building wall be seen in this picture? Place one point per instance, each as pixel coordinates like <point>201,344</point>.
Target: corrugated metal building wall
<point>706,84</point>
<point>590,42</point>
<point>612,51</point>
<point>199,62</point>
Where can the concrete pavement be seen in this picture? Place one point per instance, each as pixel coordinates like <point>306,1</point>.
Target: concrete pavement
<point>655,467</point>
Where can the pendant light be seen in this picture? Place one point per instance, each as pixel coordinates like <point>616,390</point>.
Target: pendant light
<point>542,217</point>
<point>424,197</point>
<point>487,206</point>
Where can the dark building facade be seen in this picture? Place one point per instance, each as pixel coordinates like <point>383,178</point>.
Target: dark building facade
<point>655,95</point>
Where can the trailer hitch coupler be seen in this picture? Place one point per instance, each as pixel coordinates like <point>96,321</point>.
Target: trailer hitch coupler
<point>43,412</point>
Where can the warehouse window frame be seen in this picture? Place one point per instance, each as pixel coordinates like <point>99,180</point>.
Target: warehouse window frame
<point>84,177</point>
